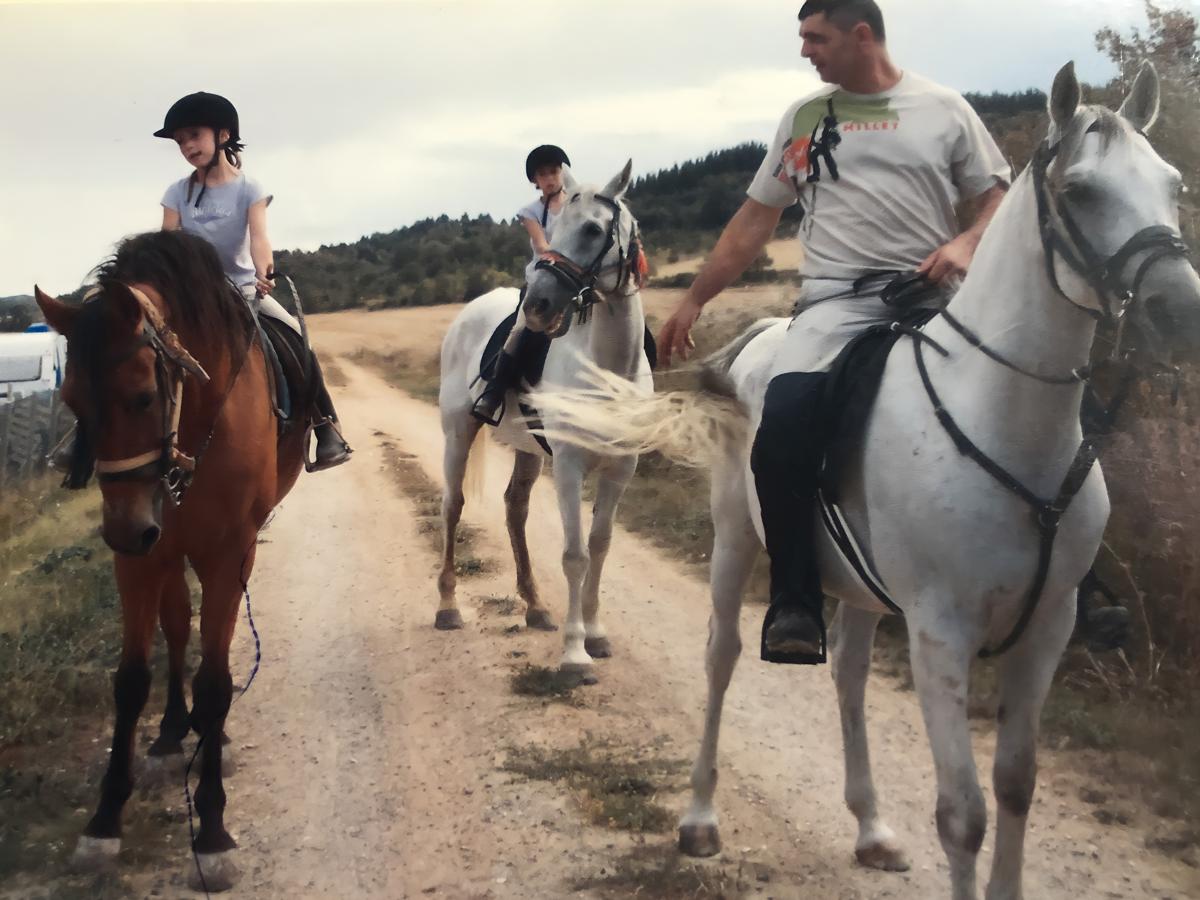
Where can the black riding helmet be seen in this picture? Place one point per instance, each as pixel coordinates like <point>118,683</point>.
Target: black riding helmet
<point>545,155</point>
<point>202,110</point>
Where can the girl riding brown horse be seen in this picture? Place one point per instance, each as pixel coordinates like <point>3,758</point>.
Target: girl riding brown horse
<point>167,377</point>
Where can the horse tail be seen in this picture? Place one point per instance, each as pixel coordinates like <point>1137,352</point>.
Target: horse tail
<point>476,473</point>
<point>613,416</point>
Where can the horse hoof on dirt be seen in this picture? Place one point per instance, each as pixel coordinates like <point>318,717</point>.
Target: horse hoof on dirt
<point>164,747</point>
<point>597,647</point>
<point>448,620</point>
<point>540,619</point>
<point>699,840</point>
<point>580,673</point>
<point>882,855</point>
<point>228,763</point>
<point>219,872</point>
<point>94,854</point>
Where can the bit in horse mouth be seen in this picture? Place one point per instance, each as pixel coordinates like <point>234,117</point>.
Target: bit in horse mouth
<point>554,326</point>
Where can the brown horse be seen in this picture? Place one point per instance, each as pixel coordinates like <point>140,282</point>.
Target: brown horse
<point>170,386</point>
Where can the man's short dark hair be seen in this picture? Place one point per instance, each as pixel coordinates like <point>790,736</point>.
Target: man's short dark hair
<point>845,14</point>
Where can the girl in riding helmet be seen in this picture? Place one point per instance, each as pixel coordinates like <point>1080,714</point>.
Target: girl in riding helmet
<point>223,205</point>
<point>544,169</point>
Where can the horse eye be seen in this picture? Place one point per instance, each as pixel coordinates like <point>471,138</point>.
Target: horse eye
<point>143,401</point>
<point>1079,192</point>
<point>593,229</point>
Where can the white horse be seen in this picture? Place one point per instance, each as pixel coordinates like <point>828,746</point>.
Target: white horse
<point>592,279</point>
<point>1089,229</point>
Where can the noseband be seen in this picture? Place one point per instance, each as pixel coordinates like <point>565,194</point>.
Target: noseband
<point>582,279</point>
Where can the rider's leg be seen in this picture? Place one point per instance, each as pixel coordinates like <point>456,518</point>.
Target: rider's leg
<point>489,408</point>
<point>786,461</point>
<point>332,449</point>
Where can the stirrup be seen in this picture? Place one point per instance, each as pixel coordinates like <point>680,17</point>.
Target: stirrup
<point>319,465</point>
<point>480,411</point>
<point>799,653</point>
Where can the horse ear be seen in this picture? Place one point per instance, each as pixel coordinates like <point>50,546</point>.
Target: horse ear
<point>569,182</point>
<point>616,188</point>
<point>1141,106</point>
<point>59,316</point>
<point>123,305</point>
<point>1064,96</point>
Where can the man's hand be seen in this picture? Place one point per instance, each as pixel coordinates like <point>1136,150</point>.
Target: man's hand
<point>675,338</point>
<point>949,260</point>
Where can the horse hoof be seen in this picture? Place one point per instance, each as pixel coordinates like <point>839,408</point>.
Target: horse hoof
<point>580,673</point>
<point>228,764</point>
<point>213,872</point>
<point>448,620</point>
<point>883,856</point>
<point>699,840</point>
<point>597,647</point>
<point>164,747</point>
<point>94,854</point>
<point>540,619</point>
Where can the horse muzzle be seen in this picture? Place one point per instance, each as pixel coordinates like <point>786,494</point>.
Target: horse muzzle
<point>132,517</point>
<point>1166,317</point>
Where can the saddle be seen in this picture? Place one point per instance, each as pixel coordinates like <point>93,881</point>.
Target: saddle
<point>290,375</point>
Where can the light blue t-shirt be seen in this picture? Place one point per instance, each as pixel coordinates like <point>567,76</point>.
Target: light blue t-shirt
<point>223,218</point>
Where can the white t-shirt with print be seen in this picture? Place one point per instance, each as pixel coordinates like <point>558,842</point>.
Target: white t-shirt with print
<point>907,158</point>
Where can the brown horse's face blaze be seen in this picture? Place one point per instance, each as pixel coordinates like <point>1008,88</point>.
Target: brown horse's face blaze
<point>113,391</point>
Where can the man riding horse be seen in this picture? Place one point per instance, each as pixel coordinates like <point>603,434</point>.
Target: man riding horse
<point>880,160</point>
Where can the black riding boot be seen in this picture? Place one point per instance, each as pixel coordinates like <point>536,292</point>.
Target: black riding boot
<point>332,449</point>
<point>786,462</point>
<point>489,408</point>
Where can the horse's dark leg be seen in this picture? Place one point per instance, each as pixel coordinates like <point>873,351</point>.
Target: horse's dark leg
<point>175,619</point>
<point>212,692</point>
<point>140,583</point>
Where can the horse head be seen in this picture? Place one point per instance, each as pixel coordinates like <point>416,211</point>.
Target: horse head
<point>123,367</point>
<point>1109,211</point>
<point>595,254</point>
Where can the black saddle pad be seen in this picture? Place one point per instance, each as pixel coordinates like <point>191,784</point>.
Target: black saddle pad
<point>850,393</point>
<point>291,376</point>
<point>532,349</point>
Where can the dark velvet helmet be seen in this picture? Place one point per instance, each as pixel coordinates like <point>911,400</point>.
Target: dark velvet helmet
<point>545,155</point>
<point>201,110</point>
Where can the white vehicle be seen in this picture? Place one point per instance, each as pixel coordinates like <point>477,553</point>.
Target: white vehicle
<point>31,361</point>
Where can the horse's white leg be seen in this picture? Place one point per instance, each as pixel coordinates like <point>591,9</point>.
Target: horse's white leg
<point>1025,674</point>
<point>459,438</point>
<point>609,490</point>
<point>735,548</point>
<point>941,663</point>
<point>851,637</point>
<point>526,469</point>
<point>569,468</point>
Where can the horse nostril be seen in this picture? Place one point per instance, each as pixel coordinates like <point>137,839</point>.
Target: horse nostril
<point>538,305</point>
<point>150,538</point>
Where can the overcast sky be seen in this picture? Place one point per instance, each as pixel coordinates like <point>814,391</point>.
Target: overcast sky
<point>362,117</point>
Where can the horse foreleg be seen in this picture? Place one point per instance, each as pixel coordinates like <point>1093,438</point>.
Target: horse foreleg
<point>568,484</point>
<point>608,494</point>
<point>735,548</point>
<point>851,636</point>
<point>140,584</point>
<point>941,662</point>
<point>175,619</point>
<point>454,469</point>
<point>526,469</point>
<point>212,692</point>
<point>1025,674</point>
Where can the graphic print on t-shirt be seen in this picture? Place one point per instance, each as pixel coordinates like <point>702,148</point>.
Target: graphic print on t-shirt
<point>853,114</point>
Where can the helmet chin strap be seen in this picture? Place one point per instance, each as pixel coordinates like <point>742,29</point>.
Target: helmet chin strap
<point>212,164</point>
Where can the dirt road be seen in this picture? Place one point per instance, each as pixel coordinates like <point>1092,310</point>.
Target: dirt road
<point>375,755</point>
